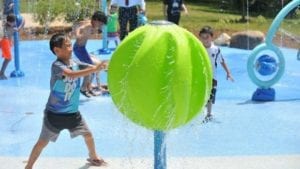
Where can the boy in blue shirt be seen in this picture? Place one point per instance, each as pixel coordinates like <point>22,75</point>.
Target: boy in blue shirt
<point>62,107</point>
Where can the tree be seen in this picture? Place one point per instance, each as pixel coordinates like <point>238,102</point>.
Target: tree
<point>46,11</point>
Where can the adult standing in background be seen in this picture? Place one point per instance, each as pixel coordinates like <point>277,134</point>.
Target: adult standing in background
<point>172,10</point>
<point>128,13</point>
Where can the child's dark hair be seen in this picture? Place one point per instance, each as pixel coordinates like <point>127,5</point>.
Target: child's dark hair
<point>57,40</point>
<point>206,29</point>
<point>11,18</point>
<point>99,16</point>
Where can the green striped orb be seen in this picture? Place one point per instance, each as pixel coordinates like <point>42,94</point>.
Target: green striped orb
<point>160,76</point>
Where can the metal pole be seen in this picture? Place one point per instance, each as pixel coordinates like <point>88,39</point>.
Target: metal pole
<point>160,160</point>
<point>17,72</point>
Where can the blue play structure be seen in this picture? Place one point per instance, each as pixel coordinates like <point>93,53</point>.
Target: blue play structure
<point>16,9</point>
<point>266,63</point>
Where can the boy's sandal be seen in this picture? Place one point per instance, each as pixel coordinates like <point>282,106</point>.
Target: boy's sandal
<point>96,162</point>
<point>207,119</point>
<point>95,93</point>
<point>104,86</point>
<point>105,92</point>
<point>85,93</point>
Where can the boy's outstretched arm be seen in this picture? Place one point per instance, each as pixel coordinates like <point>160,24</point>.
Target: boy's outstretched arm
<point>84,72</point>
<point>228,74</point>
<point>184,8</point>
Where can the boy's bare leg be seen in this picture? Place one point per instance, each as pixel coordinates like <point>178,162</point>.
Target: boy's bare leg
<point>98,80</point>
<point>3,68</point>
<point>100,87</point>
<point>35,153</point>
<point>104,67</point>
<point>85,87</point>
<point>89,140</point>
<point>209,108</point>
<point>208,116</point>
<point>96,61</point>
<point>85,83</point>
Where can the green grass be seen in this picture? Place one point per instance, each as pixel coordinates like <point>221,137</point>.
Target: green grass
<point>201,14</point>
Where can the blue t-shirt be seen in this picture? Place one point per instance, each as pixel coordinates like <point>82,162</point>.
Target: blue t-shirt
<point>64,91</point>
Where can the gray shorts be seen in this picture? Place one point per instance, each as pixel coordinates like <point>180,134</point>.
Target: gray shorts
<point>50,133</point>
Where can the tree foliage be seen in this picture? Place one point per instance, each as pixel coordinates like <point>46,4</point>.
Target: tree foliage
<point>267,8</point>
<point>71,10</point>
<point>45,11</point>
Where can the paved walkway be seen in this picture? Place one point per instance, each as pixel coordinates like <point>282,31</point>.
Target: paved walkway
<point>244,162</point>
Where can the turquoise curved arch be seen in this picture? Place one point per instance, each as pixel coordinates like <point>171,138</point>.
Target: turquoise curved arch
<point>279,18</point>
<point>269,46</point>
<point>251,62</point>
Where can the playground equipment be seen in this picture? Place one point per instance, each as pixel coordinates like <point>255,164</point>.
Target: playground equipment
<point>264,82</point>
<point>162,82</point>
<point>17,72</point>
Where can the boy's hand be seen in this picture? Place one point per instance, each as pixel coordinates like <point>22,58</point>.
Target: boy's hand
<point>104,64</point>
<point>229,77</point>
<point>101,65</point>
<point>98,66</point>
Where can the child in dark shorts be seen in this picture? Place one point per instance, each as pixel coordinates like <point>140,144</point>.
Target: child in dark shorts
<point>62,107</point>
<point>216,58</point>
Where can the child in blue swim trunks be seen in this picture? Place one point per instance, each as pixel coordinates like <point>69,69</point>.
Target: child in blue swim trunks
<point>82,33</point>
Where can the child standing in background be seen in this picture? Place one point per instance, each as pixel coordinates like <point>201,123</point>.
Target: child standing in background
<point>127,13</point>
<point>172,10</point>
<point>6,42</point>
<point>82,34</point>
<point>112,26</point>
<point>216,57</point>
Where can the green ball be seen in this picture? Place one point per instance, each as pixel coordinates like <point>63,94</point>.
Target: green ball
<point>160,76</point>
